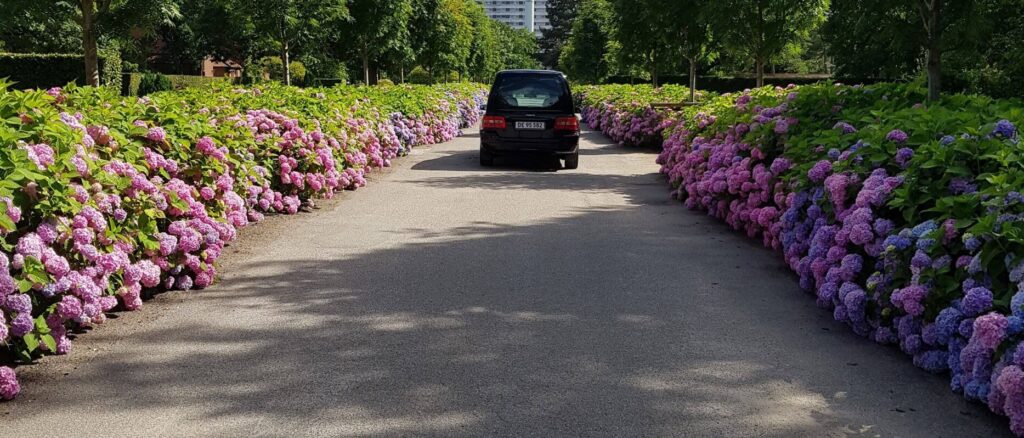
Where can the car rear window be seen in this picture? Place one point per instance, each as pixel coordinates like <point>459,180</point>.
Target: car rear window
<point>531,92</point>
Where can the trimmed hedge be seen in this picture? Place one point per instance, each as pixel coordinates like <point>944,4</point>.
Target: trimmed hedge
<point>105,200</point>
<point>131,82</point>
<point>45,70</point>
<point>719,84</point>
<point>903,218</point>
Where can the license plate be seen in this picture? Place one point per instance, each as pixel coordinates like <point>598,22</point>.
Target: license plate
<point>529,125</point>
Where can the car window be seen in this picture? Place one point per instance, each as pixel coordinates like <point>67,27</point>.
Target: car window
<point>538,92</point>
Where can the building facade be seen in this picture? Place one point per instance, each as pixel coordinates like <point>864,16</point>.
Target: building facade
<point>531,15</point>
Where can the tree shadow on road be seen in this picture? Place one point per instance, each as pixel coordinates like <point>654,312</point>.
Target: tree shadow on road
<point>497,330</point>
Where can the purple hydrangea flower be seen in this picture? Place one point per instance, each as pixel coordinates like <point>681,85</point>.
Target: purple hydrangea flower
<point>962,186</point>
<point>22,324</point>
<point>903,156</point>
<point>157,135</point>
<point>976,301</point>
<point>897,136</point>
<point>9,387</point>
<point>844,127</point>
<point>820,171</point>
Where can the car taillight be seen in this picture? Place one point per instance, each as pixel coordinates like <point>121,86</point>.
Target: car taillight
<point>494,122</point>
<point>567,124</point>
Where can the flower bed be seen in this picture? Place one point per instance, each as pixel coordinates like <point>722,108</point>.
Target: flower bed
<point>905,220</point>
<point>624,113</point>
<point>104,201</point>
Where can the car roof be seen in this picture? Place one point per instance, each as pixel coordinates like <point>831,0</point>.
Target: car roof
<point>520,71</point>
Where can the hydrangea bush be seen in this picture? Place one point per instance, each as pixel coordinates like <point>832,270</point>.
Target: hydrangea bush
<point>904,220</point>
<point>624,112</point>
<point>104,201</point>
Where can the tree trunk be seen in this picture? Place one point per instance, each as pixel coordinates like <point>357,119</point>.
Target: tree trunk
<point>760,45</point>
<point>693,80</point>
<point>366,68</point>
<point>401,73</point>
<point>92,70</point>
<point>287,62</point>
<point>934,72</point>
<point>760,71</point>
<point>932,15</point>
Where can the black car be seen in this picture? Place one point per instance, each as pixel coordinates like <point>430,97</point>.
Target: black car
<point>530,111</point>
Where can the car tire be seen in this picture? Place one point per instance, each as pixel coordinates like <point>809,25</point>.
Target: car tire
<point>572,161</point>
<point>486,158</point>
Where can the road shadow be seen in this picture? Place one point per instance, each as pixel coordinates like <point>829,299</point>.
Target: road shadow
<point>598,144</point>
<point>469,161</point>
<point>497,330</point>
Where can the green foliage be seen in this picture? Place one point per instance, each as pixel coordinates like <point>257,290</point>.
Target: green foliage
<point>34,70</point>
<point>632,99</point>
<point>377,28</point>
<point>111,69</point>
<point>154,82</point>
<point>517,48</point>
<point>133,82</point>
<point>760,30</point>
<point>419,75</point>
<point>484,56</point>
<point>584,58</point>
<point>561,21</point>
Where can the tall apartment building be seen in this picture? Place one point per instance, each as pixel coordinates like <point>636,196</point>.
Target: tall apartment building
<point>531,15</point>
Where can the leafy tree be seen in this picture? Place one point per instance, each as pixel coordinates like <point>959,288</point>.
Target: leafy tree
<point>897,38</point>
<point>760,30</point>
<point>484,57</point>
<point>561,18</point>
<point>444,35</point>
<point>517,48</point>
<point>39,29</point>
<point>95,19</point>
<point>690,28</point>
<point>585,55</point>
<point>376,28</point>
<point>882,49</point>
<point>640,33</point>
<point>284,24</point>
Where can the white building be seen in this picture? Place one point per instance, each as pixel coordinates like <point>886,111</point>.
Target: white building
<point>531,15</point>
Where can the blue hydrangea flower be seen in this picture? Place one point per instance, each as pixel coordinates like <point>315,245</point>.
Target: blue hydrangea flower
<point>976,301</point>
<point>1014,325</point>
<point>1004,128</point>
<point>946,324</point>
<point>923,228</point>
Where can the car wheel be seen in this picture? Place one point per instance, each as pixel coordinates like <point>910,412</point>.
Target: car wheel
<point>486,158</point>
<point>572,161</point>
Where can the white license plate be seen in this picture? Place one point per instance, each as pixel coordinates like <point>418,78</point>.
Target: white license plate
<point>529,125</point>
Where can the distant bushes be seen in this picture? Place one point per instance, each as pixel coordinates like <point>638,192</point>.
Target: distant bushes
<point>45,70</point>
<point>137,84</point>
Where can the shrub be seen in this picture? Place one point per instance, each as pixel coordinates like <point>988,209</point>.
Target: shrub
<point>624,112</point>
<point>104,200</point>
<point>385,82</point>
<point>133,81</point>
<point>153,82</point>
<point>419,75</point>
<point>35,70</point>
<point>905,220</point>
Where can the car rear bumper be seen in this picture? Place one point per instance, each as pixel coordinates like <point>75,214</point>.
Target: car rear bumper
<point>494,144</point>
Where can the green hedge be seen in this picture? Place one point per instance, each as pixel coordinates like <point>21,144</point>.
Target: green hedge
<point>730,84</point>
<point>131,82</point>
<point>45,70</point>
